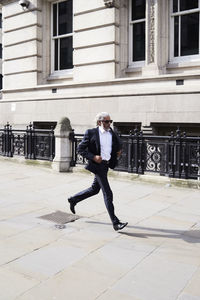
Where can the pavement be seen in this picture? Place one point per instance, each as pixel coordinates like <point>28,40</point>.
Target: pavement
<point>156,257</point>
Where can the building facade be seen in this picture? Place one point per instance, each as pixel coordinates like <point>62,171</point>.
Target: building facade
<point>0,50</point>
<point>137,59</point>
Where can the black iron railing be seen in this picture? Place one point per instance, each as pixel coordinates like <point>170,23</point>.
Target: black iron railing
<point>31,143</point>
<point>175,156</point>
<point>76,158</point>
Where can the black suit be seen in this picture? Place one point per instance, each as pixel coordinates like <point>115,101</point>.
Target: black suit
<point>88,148</point>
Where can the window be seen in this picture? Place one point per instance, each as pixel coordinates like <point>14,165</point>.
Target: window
<point>62,36</point>
<point>185,28</point>
<point>126,127</point>
<point>137,14</point>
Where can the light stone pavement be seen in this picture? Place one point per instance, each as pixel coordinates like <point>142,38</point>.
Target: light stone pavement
<point>156,257</point>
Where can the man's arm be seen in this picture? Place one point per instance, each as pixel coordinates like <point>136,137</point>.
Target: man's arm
<point>83,147</point>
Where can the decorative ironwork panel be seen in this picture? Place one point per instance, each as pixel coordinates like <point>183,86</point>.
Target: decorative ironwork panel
<point>18,143</point>
<point>42,144</point>
<point>123,159</point>
<point>79,158</point>
<point>194,160</point>
<point>153,157</point>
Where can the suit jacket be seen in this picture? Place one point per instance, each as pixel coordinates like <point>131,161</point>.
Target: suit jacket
<point>90,146</point>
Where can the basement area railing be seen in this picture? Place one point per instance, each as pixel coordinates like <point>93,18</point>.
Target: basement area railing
<point>176,156</point>
<point>31,143</point>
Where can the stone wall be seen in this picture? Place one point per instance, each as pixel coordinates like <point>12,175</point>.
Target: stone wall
<point>101,79</point>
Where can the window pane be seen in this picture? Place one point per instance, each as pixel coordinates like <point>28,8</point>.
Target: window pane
<point>65,17</point>
<point>138,9</point>
<point>139,41</point>
<point>54,19</point>
<point>175,5</point>
<point>190,34</point>
<point>176,35</point>
<point>66,53</point>
<point>56,55</point>
<point>188,4</point>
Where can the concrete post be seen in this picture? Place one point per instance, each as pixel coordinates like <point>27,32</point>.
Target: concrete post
<point>63,155</point>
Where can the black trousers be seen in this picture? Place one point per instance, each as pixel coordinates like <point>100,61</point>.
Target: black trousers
<point>100,182</point>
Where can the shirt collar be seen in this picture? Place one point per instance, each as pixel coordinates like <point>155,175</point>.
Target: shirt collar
<point>102,130</point>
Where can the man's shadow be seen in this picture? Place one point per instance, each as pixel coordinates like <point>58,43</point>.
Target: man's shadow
<point>190,236</point>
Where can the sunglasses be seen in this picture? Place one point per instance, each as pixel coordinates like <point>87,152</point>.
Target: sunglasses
<point>108,121</point>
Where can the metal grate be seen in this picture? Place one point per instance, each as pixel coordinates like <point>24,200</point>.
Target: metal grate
<point>60,217</point>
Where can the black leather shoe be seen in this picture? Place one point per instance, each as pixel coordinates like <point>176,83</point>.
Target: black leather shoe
<point>119,226</point>
<point>72,205</point>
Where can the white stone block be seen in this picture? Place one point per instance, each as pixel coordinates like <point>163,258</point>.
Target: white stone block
<point>11,9</point>
<point>96,18</point>
<point>21,20</point>
<point>22,50</point>
<point>20,80</point>
<point>22,35</point>
<point>94,72</point>
<point>95,36</point>
<point>21,65</point>
<point>82,5</point>
<point>94,54</point>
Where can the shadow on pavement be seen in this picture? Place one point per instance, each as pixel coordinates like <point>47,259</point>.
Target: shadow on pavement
<point>190,236</point>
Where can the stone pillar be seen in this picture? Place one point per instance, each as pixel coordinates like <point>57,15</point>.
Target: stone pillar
<point>156,51</point>
<point>61,162</point>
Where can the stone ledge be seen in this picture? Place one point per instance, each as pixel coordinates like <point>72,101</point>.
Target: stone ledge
<point>164,180</point>
<point>22,160</point>
<point>146,178</point>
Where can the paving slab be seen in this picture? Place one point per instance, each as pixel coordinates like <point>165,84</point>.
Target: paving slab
<point>13,284</point>
<point>156,278</point>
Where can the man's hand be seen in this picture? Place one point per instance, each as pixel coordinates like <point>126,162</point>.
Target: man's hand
<point>97,159</point>
<point>119,153</point>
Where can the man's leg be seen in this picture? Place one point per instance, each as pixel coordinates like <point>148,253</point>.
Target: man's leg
<point>107,193</point>
<point>91,191</point>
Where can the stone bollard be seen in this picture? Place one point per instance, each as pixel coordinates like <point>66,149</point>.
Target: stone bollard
<point>63,155</point>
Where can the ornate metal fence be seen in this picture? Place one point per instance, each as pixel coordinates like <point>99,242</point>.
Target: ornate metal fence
<point>76,158</point>
<point>175,156</point>
<point>30,143</point>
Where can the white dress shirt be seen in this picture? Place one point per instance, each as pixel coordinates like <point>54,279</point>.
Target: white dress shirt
<point>105,143</point>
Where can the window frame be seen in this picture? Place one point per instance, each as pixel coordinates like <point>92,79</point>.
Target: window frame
<point>141,63</point>
<point>172,15</point>
<point>58,37</point>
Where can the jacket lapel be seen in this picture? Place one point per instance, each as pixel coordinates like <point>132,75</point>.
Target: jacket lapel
<point>97,140</point>
<point>113,138</point>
